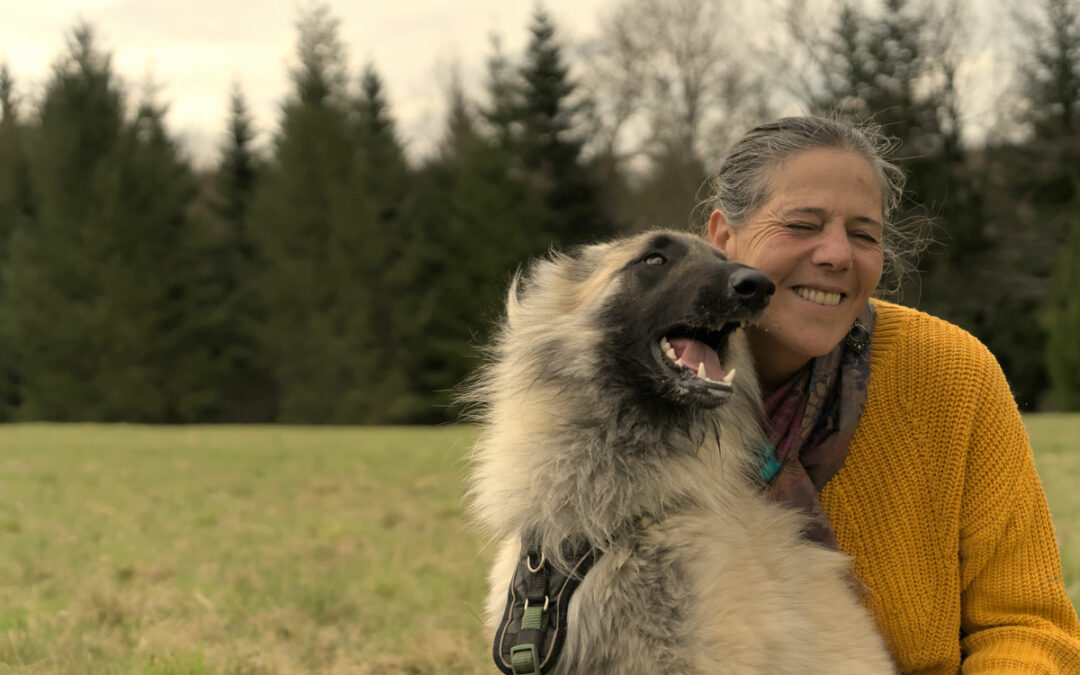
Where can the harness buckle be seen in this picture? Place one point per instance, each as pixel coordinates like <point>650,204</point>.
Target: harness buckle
<point>524,660</point>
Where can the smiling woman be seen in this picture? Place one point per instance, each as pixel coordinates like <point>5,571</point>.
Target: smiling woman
<point>894,430</point>
<point>818,236</point>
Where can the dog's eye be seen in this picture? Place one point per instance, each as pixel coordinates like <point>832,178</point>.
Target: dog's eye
<point>654,259</point>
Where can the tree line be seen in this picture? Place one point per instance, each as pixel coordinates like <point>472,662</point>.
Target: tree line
<point>329,279</point>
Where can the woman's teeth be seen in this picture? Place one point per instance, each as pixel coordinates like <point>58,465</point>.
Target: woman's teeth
<point>820,297</point>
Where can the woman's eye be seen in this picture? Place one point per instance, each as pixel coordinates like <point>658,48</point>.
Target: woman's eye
<point>867,237</point>
<point>654,259</point>
<point>800,226</point>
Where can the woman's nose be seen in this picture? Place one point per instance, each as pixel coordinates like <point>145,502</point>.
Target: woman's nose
<point>833,247</point>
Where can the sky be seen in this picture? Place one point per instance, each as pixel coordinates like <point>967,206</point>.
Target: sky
<point>192,50</point>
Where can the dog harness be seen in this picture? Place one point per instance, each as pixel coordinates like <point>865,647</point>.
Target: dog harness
<point>532,631</point>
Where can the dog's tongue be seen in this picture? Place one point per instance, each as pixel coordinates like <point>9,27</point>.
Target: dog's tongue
<point>693,353</point>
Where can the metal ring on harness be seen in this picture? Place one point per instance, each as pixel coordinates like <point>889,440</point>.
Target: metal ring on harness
<point>546,598</point>
<point>534,570</point>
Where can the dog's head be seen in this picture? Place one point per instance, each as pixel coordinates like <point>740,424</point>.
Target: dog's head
<point>625,349</point>
<point>652,315</point>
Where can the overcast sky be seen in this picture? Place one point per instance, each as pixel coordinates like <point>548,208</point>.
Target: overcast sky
<point>193,49</point>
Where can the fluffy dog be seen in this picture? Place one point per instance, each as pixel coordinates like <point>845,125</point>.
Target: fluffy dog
<point>620,412</point>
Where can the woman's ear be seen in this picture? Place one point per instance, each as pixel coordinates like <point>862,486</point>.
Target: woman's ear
<point>720,232</point>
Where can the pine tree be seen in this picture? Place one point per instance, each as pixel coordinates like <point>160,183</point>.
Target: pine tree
<point>158,365</point>
<point>385,197</point>
<point>1031,195</point>
<point>1063,322</point>
<point>228,287</point>
<point>98,286</point>
<point>1051,72</point>
<point>237,172</point>
<point>548,145</point>
<point>7,93</point>
<point>16,211</point>
<point>503,109</point>
<point>302,221</point>
<point>51,280</point>
<point>479,221</point>
<point>16,194</point>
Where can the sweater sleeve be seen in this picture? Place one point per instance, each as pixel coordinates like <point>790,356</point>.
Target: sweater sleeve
<point>1015,614</point>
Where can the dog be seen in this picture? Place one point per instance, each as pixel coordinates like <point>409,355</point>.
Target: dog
<point>620,416</point>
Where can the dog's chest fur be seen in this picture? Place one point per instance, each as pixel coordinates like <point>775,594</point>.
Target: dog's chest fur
<point>641,589</point>
<point>704,592</point>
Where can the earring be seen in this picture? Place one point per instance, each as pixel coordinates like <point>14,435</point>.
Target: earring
<point>858,338</point>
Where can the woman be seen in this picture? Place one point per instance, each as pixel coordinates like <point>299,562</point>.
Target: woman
<point>896,429</point>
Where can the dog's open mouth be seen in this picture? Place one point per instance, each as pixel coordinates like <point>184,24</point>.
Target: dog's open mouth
<point>694,354</point>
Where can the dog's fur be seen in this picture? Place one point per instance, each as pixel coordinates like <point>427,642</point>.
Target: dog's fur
<point>586,438</point>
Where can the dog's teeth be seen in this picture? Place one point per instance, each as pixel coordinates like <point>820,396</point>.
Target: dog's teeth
<point>701,371</point>
<point>668,350</point>
<point>729,377</point>
<point>679,362</point>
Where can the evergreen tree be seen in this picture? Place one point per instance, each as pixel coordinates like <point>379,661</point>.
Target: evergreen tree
<point>1063,321</point>
<point>503,109</point>
<point>479,221</point>
<point>159,365</point>
<point>894,66</point>
<point>16,211</point>
<point>1031,195</point>
<point>549,148</point>
<point>384,195</point>
<point>51,279</point>
<point>1051,70</point>
<point>7,93</point>
<point>307,226</point>
<point>227,278</point>
<point>237,172</point>
<point>98,285</point>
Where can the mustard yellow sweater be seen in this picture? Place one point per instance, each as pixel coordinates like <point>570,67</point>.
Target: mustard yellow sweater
<point>939,504</point>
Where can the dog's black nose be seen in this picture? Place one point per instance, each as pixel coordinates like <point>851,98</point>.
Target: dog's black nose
<point>751,287</point>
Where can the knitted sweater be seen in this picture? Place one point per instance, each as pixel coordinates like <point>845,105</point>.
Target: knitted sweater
<point>939,504</point>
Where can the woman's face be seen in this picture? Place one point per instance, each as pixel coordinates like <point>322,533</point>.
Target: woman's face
<point>818,237</point>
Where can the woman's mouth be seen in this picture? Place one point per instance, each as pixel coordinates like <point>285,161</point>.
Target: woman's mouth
<point>827,298</point>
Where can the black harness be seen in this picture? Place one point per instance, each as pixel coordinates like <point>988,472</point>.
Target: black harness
<point>533,628</point>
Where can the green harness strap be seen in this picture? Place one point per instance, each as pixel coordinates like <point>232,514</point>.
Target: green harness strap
<point>525,657</point>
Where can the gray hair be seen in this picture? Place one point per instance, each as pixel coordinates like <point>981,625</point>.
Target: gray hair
<point>741,185</point>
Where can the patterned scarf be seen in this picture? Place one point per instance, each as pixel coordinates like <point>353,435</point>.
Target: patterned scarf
<point>813,419</point>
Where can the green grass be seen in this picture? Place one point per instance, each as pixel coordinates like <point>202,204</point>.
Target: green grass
<point>192,550</point>
<point>236,550</point>
<point>1056,440</point>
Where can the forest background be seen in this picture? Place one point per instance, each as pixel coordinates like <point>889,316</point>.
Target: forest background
<point>329,277</point>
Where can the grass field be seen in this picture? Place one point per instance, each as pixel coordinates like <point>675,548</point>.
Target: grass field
<point>273,550</point>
